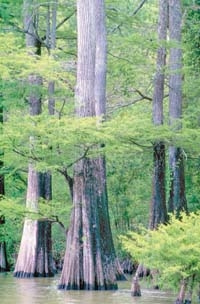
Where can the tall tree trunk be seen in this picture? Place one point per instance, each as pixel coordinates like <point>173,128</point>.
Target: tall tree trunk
<point>100,110</point>
<point>181,296</point>
<point>158,213</point>
<point>35,257</point>
<point>35,254</point>
<point>51,42</point>
<point>90,260</point>
<point>3,254</point>
<point>158,210</point>
<point>177,200</point>
<point>3,258</point>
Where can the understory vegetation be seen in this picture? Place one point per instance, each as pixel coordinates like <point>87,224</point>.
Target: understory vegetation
<point>64,161</point>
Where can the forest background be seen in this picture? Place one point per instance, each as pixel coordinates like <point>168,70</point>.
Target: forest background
<point>128,133</point>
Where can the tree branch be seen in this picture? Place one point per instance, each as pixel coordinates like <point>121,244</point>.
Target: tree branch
<point>133,14</point>
<point>69,180</point>
<point>139,7</point>
<point>121,58</point>
<point>60,223</point>
<point>123,105</point>
<point>80,158</point>
<point>139,145</point>
<point>142,95</point>
<point>65,19</point>
<point>58,26</point>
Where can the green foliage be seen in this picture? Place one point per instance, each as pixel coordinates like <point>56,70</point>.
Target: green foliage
<point>9,13</point>
<point>192,36</point>
<point>173,249</point>
<point>128,133</point>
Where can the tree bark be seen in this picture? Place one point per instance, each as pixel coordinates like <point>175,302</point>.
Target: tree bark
<point>35,256</point>
<point>188,298</point>
<point>181,295</point>
<point>3,258</point>
<point>158,210</point>
<point>177,200</point>
<point>100,110</point>
<point>3,254</point>
<point>51,26</point>
<point>135,288</point>
<point>90,260</point>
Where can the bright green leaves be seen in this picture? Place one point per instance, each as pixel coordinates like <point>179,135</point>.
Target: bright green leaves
<point>57,142</point>
<point>173,249</point>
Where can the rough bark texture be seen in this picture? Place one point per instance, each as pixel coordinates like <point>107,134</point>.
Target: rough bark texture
<point>90,262</point>
<point>158,213</point>
<point>3,258</point>
<point>35,254</point>
<point>3,255</point>
<point>35,257</point>
<point>2,184</point>
<point>181,296</point>
<point>100,111</point>
<point>135,288</point>
<point>30,26</point>
<point>51,42</point>
<point>177,199</point>
<point>158,210</point>
<point>128,266</point>
<point>100,60</point>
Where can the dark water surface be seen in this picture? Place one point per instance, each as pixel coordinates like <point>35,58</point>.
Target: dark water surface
<point>44,291</point>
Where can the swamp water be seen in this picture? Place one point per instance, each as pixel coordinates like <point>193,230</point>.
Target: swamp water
<point>44,291</point>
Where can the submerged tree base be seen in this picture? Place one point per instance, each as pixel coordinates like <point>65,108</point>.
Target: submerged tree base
<point>90,261</point>
<point>23,275</point>
<point>136,293</point>
<point>35,255</point>
<point>179,302</point>
<point>85,286</point>
<point>3,258</point>
<point>121,277</point>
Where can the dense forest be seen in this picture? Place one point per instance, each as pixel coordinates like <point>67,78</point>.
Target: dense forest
<point>100,142</point>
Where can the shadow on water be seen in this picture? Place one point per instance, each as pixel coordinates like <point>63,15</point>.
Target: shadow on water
<point>44,290</point>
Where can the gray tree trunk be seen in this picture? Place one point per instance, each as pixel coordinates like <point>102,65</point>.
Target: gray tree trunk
<point>35,257</point>
<point>181,296</point>
<point>3,254</point>
<point>158,210</point>
<point>177,200</point>
<point>51,28</point>
<point>90,260</point>
<point>100,109</point>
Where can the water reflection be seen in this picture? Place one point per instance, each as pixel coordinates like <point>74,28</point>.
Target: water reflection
<point>44,290</point>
